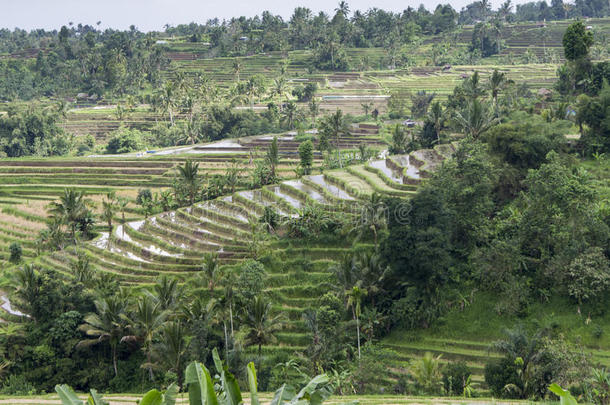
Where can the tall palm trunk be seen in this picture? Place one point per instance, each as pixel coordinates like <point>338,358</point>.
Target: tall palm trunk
<point>114,361</point>
<point>358,334</point>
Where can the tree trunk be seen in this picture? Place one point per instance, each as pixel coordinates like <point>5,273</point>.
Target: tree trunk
<point>226,343</point>
<point>114,362</point>
<point>149,359</point>
<point>358,333</point>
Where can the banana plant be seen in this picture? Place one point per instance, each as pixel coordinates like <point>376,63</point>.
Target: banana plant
<point>565,397</point>
<point>69,397</point>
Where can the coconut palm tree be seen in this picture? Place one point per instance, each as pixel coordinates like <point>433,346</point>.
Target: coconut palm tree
<point>497,82</point>
<point>27,285</point>
<point>437,116</point>
<point>106,324</point>
<point>314,110</point>
<point>427,373</point>
<point>211,272</point>
<point>172,347</point>
<point>290,114</point>
<point>273,156</point>
<point>189,179</point>
<point>332,127</point>
<point>261,324</point>
<point>279,87</point>
<point>475,119</point>
<point>237,66</point>
<point>354,301</point>
<point>472,87</point>
<point>109,208</point>
<point>122,203</point>
<point>70,210</point>
<point>166,291</point>
<point>147,320</point>
<point>167,99</point>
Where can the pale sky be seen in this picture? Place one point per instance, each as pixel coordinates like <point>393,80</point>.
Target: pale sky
<point>150,15</point>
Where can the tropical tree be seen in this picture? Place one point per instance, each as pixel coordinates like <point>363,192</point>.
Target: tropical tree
<point>261,324</point>
<point>279,87</point>
<point>437,116</point>
<point>167,292</point>
<point>106,324</point>
<point>273,157</point>
<point>427,373</point>
<point>497,82</point>
<point>472,87</point>
<point>172,347</point>
<point>354,301</point>
<point>71,209</point>
<point>188,183</point>
<point>237,66</point>
<point>475,119</point>
<point>290,114</point>
<point>314,110</point>
<point>332,128</point>
<point>122,203</point>
<point>145,323</point>
<point>109,208</point>
<point>211,273</point>
<point>27,284</point>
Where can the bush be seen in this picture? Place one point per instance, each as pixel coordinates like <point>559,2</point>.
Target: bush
<point>125,140</point>
<point>17,385</point>
<point>499,374</point>
<point>143,195</point>
<point>455,378</point>
<point>15,252</point>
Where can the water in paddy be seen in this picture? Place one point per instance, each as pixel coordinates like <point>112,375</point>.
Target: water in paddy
<point>382,165</point>
<point>405,161</point>
<point>331,188</point>
<point>223,211</point>
<point>257,196</point>
<point>152,248</point>
<point>298,184</point>
<point>291,200</point>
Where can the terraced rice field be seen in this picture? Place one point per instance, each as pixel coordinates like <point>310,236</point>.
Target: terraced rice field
<point>173,243</point>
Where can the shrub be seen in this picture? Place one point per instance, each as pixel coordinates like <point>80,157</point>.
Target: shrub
<point>17,385</point>
<point>143,195</point>
<point>15,252</point>
<point>125,140</point>
<point>455,378</point>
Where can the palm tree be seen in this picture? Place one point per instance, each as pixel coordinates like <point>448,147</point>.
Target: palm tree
<point>172,347</point>
<point>343,8</point>
<point>354,300</point>
<point>261,324</point>
<point>122,203</point>
<point>237,66</point>
<point>497,81</point>
<point>346,272</point>
<point>279,87</point>
<point>109,209</point>
<point>168,99</point>
<point>333,127</point>
<point>273,156</point>
<point>107,324</point>
<point>427,373</point>
<point>472,87</point>
<point>314,110</point>
<point>211,272</point>
<point>189,179</point>
<point>290,113</point>
<point>27,289</point>
<point>373,218</point>
<point>147,320</point>
<point>70,210</point>
<point>166,292</point>
<point>475,119</point>
<point>371,270</point>
<point>437,116</point>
